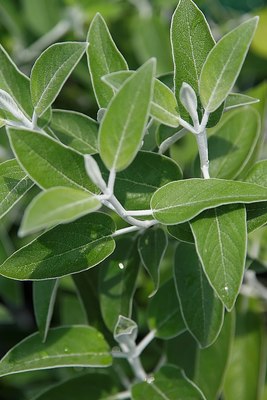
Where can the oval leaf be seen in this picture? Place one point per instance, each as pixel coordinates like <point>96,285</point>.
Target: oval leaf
<point>73,346</point>
<point>180,201</point>
<point>55,206</point>
<point>201,309</point>
<point>122,128</point>
<point>221,239</point>
<point>75,130</point>
<point>63,250</point>
<point>234,100</point>
<point>51,70</point>
<point>224,63</point>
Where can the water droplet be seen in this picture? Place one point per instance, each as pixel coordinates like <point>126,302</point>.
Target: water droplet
<point>121,266</point>
<point>226,288</point>
<point>66,349</point>
<point>150,379</point>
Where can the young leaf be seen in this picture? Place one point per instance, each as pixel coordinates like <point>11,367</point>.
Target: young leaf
<point>232,143</point>
<point>224,63</point>
<point>48,162</point>
<point>73,346</point>
<point>221,239</point>
<point>219,351</point>
<point>164,314</point>
<point>191,41</point>
<point>75,130</point>
<point>100,385</point>
<point>234,100</point>
<point>163,104</point>
<point>122,128</point>
<point>117,282</point>
<point>152,246</point>
<point>50,72</point>
<point>63,250</point>
<point>14,183</point>
<point>103,58</point>
<point>56,206</point>
<point>201,309</point>
<point>44,296</point>
<point>169,383</point>
<point>180,201</point>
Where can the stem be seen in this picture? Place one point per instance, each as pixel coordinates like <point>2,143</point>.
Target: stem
<point>186,125</point>
<point>34,120</point>
<point>137,368</point>
<point>111,180</point>
<point>120,396</point>
<point>203,153</point>
<point>145,342</point>
<point>171,140</point>
<point>125,230</point>
<point>139,213</point>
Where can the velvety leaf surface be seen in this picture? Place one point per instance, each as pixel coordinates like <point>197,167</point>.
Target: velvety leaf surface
<point>63,250</point>
<point>169,383</point>
<point>180,201</point>
<point>117,282</point>
<point>71,346</point>
<point>51,70</point>
<point>152,246</point>
<point>48,162</point>
<point>100,386</point>
<point>103,58</point>
<point>224,63</point>
<point>44,296</point>
<point>75,130</point>
<point>232,143</point>
<point>163,104</point>
<point>202,311</point>
<point>234,100</point>
<point>164,314</point>
<point>14,184</point>
<point>122,127</point>
<point>55,206</point>
<point>221,238</point>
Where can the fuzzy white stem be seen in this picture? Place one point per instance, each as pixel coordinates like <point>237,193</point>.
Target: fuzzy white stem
<point>203,153</point>
<point>171,140</point>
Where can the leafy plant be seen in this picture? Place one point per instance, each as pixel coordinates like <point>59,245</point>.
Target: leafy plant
<point>158,261</point>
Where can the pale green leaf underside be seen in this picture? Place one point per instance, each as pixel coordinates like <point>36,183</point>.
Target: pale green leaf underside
<point>14,183</point>
<point>48,162</point>
<point>51,70</point>
<point>201,309</point>
<point>180,201</point>
<point>75,130</point>
<point>123,126</point>
<point>103,58</point>
<point>71,346</point>
<point>55,206</point>
<point>221,239</point>
<point>234,100</point>
<point>169,383</point>
<point>224,63</point>
<point>163,104</point>
<point>63,250</point>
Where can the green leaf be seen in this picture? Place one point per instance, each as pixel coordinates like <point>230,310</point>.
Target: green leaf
<point>201,309</point>
<point>181,232</point>
<point>15,83</point>
<point>63,250</point>
<point>122,128</point>
<point>219,351</point>
<point>152,246</point>
<point>191,41</point>
<point>224,63</point>
<point>169,383</point>
<point>75,130</point>
<point>11,109</point>
<point>221,239</point>
<point>103,58</point>
<point>14,183</point>
<point>234,100</point>
<point>51,70</point>
<point>180,201</point>
<point>164,314</point>
<point>44,296</point>
<point>48,162</point>
<point>100,386</point>
<point>163,105</point>
<point>232,143</point>
<point>56,206</point>
<point>117,282</point>
<point>246,367</point>
<point>73,346</point>
<point>134,189</point>
<point>257,174</point>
